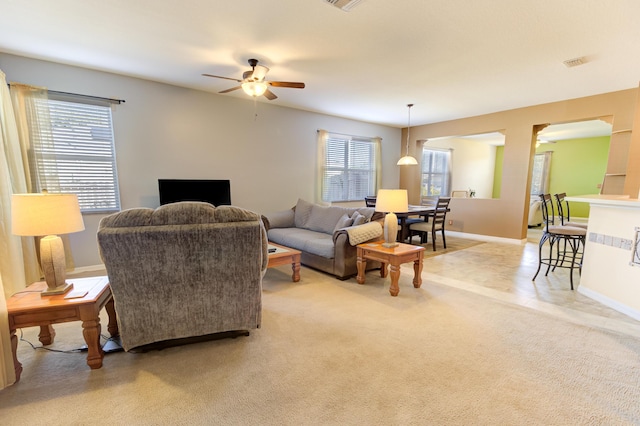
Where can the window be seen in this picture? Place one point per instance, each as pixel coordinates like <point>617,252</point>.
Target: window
<point>350,170</point>
<point>436,172</point>
<point>540,174</point>
<point>77,154</point>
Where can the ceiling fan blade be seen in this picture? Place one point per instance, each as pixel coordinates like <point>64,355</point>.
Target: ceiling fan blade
<point>218,76</point>
<point>270,95</point>
<point>286,84</point>
<point>230,90</point>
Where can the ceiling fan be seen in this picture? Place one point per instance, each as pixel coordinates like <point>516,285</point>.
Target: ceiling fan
<point>254,84</point>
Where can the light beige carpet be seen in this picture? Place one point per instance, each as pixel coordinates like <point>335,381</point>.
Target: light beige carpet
<point>453,244</point>
<point>334,352</point>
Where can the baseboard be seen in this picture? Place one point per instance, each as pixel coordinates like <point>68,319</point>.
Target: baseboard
<point>613,304</point>
<point>84,269</point>
<point>487,238</point>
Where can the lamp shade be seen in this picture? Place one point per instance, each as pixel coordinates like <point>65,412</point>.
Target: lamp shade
<point>407,161</point>
<point>392,200</point>
<point>254,88</point>
<point>45,214</point>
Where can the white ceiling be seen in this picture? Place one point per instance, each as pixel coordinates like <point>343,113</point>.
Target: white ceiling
<point>451,58</point>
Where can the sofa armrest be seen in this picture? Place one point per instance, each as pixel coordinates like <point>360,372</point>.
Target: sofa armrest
<point>282,219</point>
<point>360,233</point>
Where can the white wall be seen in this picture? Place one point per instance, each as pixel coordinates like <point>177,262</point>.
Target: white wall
<point>472,164</point>
<point>164,131</point>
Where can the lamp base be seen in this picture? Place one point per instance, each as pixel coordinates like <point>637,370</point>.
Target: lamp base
<point>62,289</point>
<point>390,230</point>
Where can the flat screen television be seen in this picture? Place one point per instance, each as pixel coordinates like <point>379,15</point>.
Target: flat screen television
<point>216,192</point>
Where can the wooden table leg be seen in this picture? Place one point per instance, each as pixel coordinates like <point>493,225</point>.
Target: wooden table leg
<point>383,270</point>
<point>14,349</point>
<point>395,277</point>
<point>361,264</point>
<point>295,277</point>
<point>91,331</point>
<point>112,326</point>
<point>417,271</point>
<point>47,334</point>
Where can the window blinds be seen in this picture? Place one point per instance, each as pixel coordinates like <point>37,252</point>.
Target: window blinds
<point>349,172</point>
<point>77,156</point>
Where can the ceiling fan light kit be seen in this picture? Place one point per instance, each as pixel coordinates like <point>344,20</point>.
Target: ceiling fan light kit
<point>408,160</point>
<point>254,88</point>
<point>254,84</point>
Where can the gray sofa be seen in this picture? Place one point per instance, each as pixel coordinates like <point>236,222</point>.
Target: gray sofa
<point>184,270</point>
<point>326,236</point>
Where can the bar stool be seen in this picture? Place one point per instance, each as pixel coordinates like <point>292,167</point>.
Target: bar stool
<point>563,212</point>
<point>571,236</point>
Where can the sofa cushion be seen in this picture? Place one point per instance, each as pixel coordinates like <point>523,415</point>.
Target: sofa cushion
<point>324,219</point>
<point>302,213</point>
<point>224,214</point>
<point>283,219</point>
<point>184,212</point>
<point>318,243</point>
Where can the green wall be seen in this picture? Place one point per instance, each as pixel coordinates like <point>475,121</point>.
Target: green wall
<point>497,175</point>
<point>577,168</point>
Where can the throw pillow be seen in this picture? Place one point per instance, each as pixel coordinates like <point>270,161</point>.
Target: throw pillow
<point>282,219</point>
<point>324,219</point>
<point>302,213</point>
<point>358,219</point>
<point>343,222</point>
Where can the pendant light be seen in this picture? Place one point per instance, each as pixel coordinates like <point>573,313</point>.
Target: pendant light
<point>408,160</point>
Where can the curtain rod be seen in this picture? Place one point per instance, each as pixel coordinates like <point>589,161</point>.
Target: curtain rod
<point>351,136</point>
<point>100,98</point>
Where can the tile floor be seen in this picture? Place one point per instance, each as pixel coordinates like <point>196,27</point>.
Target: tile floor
<point>503,271</point>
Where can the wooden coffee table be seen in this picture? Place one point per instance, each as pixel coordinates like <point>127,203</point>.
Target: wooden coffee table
<point>285,256</point>
<point>395,256</point>
<point>28,309</point>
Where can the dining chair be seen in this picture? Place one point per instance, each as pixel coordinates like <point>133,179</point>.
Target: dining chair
<point>370,201</point>
<point>437,223</point>
<point>571,236</point>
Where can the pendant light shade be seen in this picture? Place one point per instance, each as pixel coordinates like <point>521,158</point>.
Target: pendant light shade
<point>408,160</point>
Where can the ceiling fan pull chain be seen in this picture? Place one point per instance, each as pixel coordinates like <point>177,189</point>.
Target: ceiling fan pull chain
<point>255,108</point>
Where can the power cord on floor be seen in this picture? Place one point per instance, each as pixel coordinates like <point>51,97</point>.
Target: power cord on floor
<point>114,341</point>
<point>34,347</point>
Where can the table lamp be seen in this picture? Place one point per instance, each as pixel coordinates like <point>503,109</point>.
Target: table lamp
<point>46,215</point>
<point>391,201</point>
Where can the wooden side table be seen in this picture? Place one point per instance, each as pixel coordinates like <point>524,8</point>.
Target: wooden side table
<point>285,256</point>
<point>395,256</point>
<point>28,309</point>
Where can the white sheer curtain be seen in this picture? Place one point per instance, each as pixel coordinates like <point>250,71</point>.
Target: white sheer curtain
<point>323,135</point>
<point>378,150</point>
<point>12,271</point>
<point>34,129</point>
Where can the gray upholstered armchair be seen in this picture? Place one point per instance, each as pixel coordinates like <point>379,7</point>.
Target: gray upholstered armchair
<point>183,270</point>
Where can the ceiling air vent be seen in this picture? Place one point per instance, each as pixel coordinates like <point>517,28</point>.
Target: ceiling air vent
<point>574,62</point>
<point>345,5</point>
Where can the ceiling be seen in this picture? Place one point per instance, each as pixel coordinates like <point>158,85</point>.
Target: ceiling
<point>451,58</point>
